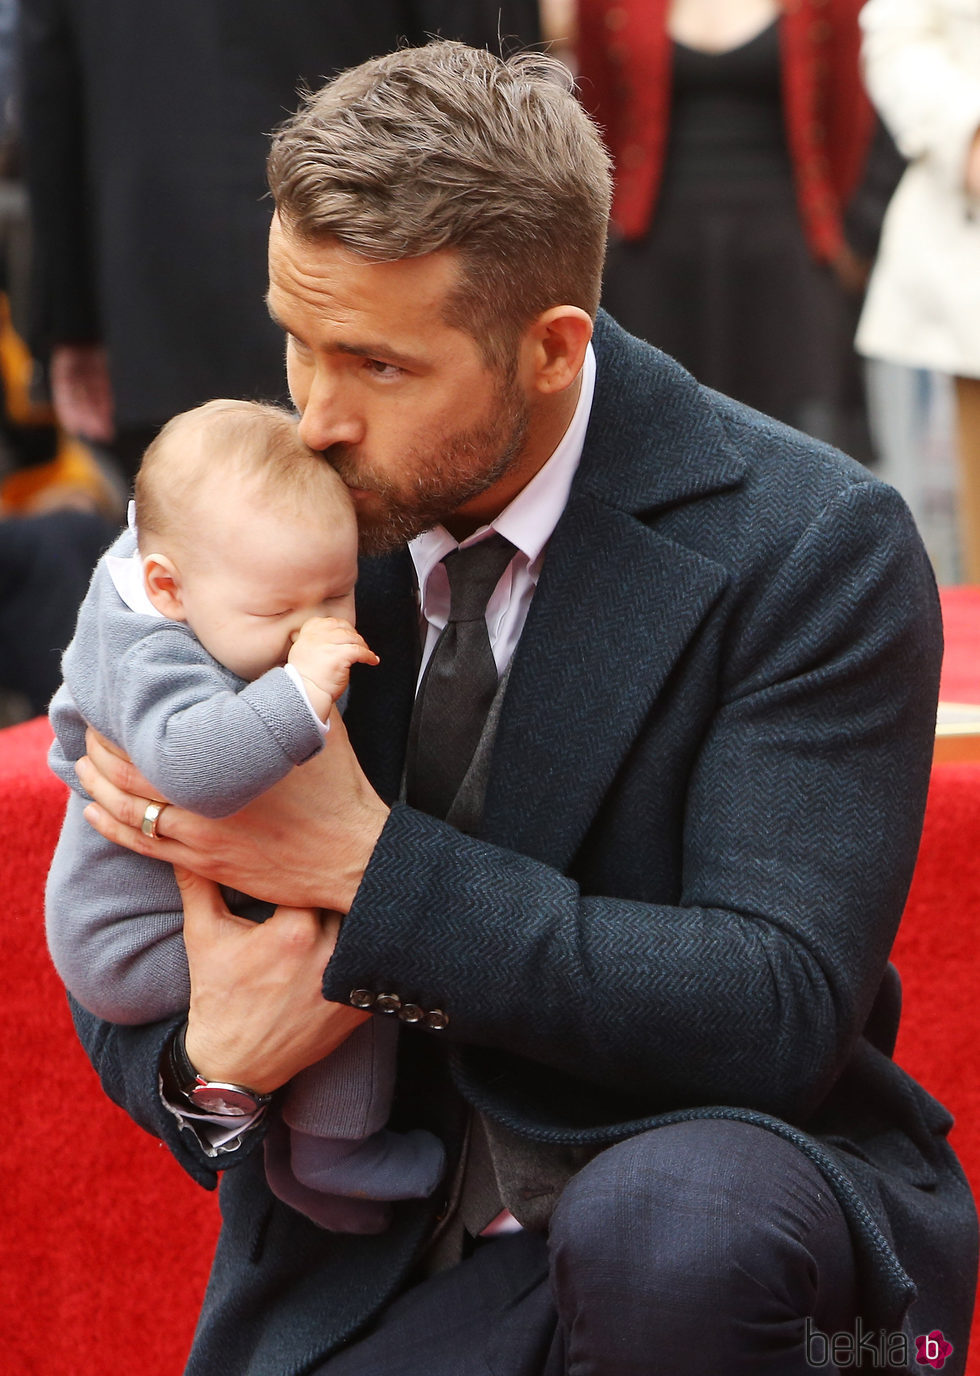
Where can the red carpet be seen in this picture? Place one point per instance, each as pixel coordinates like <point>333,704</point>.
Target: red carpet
<point>961,664</point>
<point>938,956</point>
<point>106,1243</point>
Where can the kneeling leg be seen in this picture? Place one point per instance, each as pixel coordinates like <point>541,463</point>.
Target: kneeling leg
<point>701,1247</point>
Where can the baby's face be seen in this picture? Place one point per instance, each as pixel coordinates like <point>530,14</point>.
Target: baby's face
<point>247,595</point>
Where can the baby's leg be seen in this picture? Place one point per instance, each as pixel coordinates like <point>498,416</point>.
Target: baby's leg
<point>337,1111</point>
<point>348,1094</point>
<point>386,1165</point>
<point>337,1214</point>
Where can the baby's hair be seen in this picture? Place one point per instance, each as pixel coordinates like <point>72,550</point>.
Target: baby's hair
<point>248,440</point>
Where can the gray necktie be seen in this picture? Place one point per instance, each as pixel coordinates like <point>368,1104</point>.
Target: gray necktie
<point>459,682</point>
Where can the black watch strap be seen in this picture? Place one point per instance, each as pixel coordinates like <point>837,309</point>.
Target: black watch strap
<point>218,1097</point>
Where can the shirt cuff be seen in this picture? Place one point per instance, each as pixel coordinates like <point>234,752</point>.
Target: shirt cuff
<point>322,726</point>
<point>217,1135</point>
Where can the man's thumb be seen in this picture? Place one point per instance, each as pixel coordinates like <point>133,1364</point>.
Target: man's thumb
<point>196,891</point>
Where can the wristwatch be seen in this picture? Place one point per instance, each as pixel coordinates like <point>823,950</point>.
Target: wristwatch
<point>208,1096</point>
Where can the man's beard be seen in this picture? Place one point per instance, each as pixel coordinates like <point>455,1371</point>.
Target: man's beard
<point>447,473</point>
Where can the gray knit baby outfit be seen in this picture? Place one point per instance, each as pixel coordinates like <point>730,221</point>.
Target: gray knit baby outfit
<point>210,743</point>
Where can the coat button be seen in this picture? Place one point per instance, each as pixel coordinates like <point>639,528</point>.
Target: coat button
<point>361,998</point>
<point>435,1020</point>
<point>387,1003</point>
<point>410,1012</point>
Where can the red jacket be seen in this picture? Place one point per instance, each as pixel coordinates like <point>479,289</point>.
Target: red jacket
<point>624,54</point>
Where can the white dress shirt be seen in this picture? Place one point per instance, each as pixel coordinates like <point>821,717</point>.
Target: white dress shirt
<point>527,522</point>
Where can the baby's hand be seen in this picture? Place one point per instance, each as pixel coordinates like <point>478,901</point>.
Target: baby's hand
<point>323,651</point>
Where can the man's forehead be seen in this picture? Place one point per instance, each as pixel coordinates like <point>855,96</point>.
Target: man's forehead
<point>329,297</point>
<point>297,260</point>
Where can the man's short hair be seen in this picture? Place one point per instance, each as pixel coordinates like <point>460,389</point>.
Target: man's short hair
<point>248,441</point>
<point>446,146</point>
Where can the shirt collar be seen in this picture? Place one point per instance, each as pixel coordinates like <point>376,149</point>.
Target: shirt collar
<point>127,576</point>
<point>530,518</point>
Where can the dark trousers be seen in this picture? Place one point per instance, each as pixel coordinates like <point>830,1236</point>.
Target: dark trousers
<point>695,1250</point>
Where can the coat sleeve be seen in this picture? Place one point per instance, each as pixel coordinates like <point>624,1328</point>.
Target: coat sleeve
<point>846,107</point>
<point>929,100</point>
<point>800,826</point>
<point>595,80</point>
<point>127,1061</point>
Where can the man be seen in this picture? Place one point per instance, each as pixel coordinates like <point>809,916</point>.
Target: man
<point>642,967</point>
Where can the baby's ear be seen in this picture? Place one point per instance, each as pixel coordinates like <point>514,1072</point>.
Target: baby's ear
<point>162,582</point>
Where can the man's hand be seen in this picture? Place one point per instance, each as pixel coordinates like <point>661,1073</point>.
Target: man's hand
<point>257,1014</point>
<point>81,392</point>
<point>304,843</point>
<point>322,654</point>
<point>851,271</point>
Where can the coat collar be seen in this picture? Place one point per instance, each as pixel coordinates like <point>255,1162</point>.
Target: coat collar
<point>652,440</point>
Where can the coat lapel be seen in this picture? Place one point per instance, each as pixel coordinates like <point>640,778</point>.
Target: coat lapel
<point>617,602</point>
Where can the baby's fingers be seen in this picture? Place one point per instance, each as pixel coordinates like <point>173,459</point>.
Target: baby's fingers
<point>327,630</point>
<point>359,652</point>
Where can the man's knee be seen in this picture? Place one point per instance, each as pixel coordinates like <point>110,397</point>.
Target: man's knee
<point>716,1204</point>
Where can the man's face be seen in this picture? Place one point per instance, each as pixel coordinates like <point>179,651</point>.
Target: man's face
<point>398,401</point>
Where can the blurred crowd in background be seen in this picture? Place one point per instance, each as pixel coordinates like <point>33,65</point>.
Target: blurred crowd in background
<point>796,220</point>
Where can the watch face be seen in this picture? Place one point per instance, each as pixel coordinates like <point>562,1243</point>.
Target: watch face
<point>228,1101</point>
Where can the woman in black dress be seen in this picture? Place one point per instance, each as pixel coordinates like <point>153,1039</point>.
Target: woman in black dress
<point>728,122</point>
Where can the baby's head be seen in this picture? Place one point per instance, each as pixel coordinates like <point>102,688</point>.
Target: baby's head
<point>244,532</point>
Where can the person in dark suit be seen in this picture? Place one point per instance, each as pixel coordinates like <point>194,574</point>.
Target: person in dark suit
<point>639,951</point>
<point>144,128</point>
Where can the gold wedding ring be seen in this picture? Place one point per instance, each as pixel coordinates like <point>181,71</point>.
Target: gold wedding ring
<point>151,815</point>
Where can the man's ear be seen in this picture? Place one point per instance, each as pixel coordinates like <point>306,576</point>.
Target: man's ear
<point>161,579</point>
<point>554,348</point>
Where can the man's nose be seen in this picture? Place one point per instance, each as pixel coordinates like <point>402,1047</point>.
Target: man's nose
<point>328,417</point>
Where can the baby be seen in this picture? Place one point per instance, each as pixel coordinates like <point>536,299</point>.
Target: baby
<point>211,646</point>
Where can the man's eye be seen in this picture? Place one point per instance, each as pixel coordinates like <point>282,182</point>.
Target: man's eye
<point>383,370</point>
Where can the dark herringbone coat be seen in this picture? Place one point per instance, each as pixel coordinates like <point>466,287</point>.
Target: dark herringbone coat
<point>700,826</point>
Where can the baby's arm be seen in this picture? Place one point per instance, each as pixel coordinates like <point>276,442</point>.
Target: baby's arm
<point>322,654</point>
<point>204,739</point>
